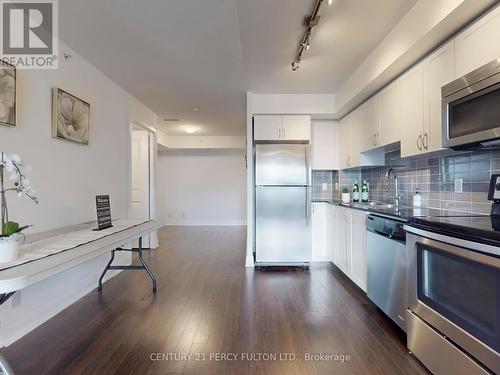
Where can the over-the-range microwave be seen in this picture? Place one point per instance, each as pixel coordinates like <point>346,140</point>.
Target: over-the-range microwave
<point>471,109</point>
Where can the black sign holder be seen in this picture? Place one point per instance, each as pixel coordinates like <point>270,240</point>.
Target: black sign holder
<point>103,212</point>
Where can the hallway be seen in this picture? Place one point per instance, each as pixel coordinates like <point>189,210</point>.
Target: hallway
<point>213,316</point>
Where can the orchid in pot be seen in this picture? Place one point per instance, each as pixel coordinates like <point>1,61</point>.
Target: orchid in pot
<point>19,183</point>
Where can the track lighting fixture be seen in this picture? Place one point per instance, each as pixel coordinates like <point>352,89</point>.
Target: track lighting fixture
<point>309,22</point>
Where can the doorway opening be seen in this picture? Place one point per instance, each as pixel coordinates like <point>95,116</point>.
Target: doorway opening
<point>142,178</point>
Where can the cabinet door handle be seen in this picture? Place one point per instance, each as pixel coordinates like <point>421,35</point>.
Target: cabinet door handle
<point>419,142</point>
<point>377,138</point>
<point>284,133</point>
<point>425,141</point>
<point>279,133</point>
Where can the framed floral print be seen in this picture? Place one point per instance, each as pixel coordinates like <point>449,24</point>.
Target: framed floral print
<point>8,94</point>
<point>70,117</point>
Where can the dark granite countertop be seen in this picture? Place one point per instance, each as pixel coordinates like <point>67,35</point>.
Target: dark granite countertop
<point>480,228</point>
<point>387,209</point>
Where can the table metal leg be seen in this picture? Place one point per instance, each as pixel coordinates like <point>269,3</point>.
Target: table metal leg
<point>143,265</point>
<point>99,288</point>
<point>5,369</point>
<point>146,266</point>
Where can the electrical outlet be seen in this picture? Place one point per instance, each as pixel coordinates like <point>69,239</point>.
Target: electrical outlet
<point>459,185</point>
<point>324,186</point>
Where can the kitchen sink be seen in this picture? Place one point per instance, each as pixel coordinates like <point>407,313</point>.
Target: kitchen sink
<point>374,205</point>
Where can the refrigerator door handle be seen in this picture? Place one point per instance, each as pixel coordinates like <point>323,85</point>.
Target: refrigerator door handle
<point>308,205</point>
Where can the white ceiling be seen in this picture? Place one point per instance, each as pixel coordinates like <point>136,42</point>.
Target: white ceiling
<point>175,55</point>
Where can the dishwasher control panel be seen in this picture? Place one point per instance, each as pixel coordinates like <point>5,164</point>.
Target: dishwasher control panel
<point>386,227</point>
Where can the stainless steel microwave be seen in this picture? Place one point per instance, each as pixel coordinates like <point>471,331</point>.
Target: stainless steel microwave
<point>471,108</point>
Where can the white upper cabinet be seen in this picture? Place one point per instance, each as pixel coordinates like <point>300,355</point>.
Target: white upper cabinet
<point>478,44</point>
<point>267,128</point>
<point>390,100</point>
<point>350,138</point>
<point>296,127</point>
<point>371,123</point>
<point>410,112</point>
<point>439,70</point>
<point>324,145</point>
<point>344,158</point>
<point>282,128</point>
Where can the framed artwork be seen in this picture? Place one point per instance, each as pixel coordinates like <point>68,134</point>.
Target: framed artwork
<point>70,117</point>
<point>8,94</point>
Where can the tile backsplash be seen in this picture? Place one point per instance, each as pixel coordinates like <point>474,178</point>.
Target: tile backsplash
<point>435,176</point>
<point>320,177</point>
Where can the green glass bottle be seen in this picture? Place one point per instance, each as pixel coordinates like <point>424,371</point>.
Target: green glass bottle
<point>364,192</point>
<point>355,192</point>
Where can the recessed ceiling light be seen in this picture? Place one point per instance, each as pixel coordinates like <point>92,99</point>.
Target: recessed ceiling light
<point>330,2</point>
<point>190,130</point>
<point>171,120</point>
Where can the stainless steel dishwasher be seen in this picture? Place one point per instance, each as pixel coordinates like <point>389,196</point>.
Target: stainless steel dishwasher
<point>386,255</point>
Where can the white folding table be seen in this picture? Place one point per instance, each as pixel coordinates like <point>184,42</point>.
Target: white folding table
<point>19,276</point>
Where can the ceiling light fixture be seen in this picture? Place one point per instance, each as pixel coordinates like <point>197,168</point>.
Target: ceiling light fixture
<point>171,120</point>
<point>190,130</point>
<point>309,22</point>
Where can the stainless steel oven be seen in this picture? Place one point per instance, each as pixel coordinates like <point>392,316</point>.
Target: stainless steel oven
<point>453,303</point>
<point>471,108</point>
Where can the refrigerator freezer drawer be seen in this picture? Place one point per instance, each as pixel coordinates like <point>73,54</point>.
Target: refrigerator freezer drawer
<point>283,225</point>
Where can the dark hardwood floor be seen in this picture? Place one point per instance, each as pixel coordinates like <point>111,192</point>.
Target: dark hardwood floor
<point>208,303</point>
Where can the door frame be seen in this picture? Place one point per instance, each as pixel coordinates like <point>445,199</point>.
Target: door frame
<point>153,240</point>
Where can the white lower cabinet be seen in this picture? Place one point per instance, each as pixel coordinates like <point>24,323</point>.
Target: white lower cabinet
<point>358,248</point>
<point>319,224</point>
<point>324,232</point>
<point>332,232</point>
<point>344,239</point>
<point>351,244</point>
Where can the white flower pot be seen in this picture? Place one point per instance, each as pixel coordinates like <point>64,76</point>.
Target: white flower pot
<point>346,198</point>
<point>9,249</point>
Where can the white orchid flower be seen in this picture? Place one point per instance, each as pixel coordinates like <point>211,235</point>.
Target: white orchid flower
<point>9,165</point>
<point>15,158</point>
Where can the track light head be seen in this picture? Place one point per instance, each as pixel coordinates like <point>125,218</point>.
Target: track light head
<point>295,66</point>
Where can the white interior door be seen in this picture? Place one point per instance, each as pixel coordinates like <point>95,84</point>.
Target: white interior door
<point>140,178</point>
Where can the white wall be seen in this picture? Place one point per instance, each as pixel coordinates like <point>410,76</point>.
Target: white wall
<point>67,176</point>
<point>202,187</point>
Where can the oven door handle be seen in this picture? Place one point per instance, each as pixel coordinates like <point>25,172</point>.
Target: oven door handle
<point>472,255</point>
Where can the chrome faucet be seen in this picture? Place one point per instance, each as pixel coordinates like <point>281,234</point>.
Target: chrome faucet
<point>395,174</point>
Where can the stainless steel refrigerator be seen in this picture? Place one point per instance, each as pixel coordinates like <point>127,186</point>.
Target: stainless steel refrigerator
<point>282,204</point>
